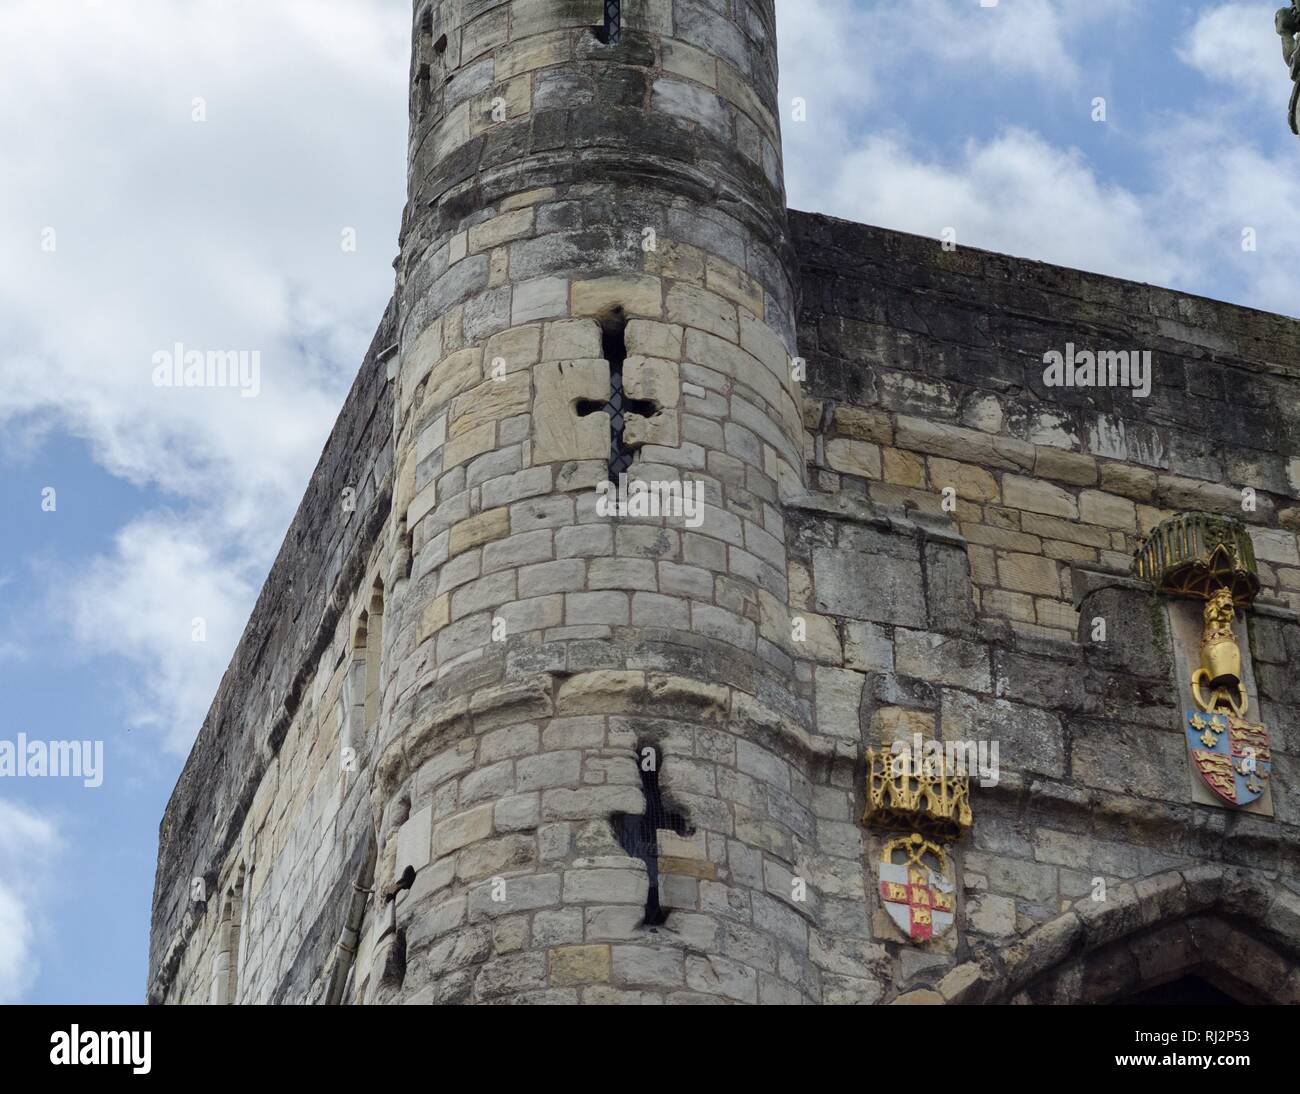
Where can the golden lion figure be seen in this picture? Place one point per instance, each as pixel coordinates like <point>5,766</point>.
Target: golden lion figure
<point>1220,669</point>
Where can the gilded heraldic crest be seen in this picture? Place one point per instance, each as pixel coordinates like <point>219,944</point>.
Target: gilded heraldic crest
<point>917,888</point>
<point>1230,753</point>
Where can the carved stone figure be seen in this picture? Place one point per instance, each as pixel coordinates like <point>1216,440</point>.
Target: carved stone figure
<point>1220,668</point>
<point>1287,22</point>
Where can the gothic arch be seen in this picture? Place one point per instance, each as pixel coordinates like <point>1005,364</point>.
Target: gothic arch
<point>226,961</point>
<point>1210,947</point>
<point>1236,929</point>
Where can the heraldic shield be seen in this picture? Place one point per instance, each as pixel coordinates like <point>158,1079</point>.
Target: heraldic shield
<point>1231,754</point>
<point>917,887</point>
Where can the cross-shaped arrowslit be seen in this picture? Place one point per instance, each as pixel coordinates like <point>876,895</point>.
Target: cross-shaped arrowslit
<point>613,27</point>
<point>638,835</point>
<point>619,404</point>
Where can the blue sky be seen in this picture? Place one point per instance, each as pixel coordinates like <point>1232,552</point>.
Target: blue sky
<point>224,233</point>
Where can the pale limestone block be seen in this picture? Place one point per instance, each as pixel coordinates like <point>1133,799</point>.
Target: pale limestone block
<point>676,261</point>
<point>854,458</point>
<point>436,615</point>
<point>558,432</point>
<point>491,401</point>
<point>462,829</point>
<point>571,340</point>
<point>970,482</point>
<point>863,424</point>
<point>762,341</point>
<point>652,378</point>
<point>1096,507</point>
<point>732,282</point>
<point>1020,492</point>
<point>516,97</point>
<point>479,529</point>
<point>422,505</point>
<point>903,468</point>
<point>1273,545</point>
<point>580,964</point>
<point>501,229</point>
<point>635,295</point>
<point>683,60</point>
<point>891,724</point>
<point>1029,574</point>
<point>1071,467</point>
<point>457,248</point>
<point>695,307</point>
<point>512,350</point>
<point>541,298</point>
<point>839,695</point>
<point>454,374</point>
<point>646,338</point>
<point>1137,483</point>
<point>499,267</point>
<point>532,52</point>
<point>487,32</point>
<point>413,841</point>
<point>473,442</point>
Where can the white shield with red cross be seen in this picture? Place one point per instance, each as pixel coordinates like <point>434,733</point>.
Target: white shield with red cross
<point>920,900</point>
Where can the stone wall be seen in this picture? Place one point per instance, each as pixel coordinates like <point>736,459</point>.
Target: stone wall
<point>924,373</point>
<point>569,710</point>
<point>261,749</point>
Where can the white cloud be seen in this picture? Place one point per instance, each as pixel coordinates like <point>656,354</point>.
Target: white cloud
<point>1197,179</point>
<point>1016,194</point>
<point>823,63</point>
<point>28,844</point>
<point>221,235</point>
<point>144,603</point>
<point>1236,44</point>
<point>1014,38</point>
<point>1213,184</point>
<point>858,66</point>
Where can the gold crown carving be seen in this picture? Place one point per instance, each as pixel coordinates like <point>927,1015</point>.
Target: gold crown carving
<point>917,793</point>
<point>1196,554</point>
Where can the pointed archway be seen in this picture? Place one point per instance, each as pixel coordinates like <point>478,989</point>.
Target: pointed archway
<point>1235,931</point>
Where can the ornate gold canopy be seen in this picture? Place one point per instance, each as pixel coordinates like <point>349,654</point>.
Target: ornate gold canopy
<point>1197,554</point>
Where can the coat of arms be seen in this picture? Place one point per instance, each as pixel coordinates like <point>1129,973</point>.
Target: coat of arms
<point>917,888</point>
<point>1231,754</point>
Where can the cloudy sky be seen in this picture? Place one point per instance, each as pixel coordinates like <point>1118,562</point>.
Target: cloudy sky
<point>184,171</point>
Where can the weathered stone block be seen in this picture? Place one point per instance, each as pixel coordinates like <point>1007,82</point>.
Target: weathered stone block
<point>942,659</point>
<point>1038,497</point>
<point>880,590</point>
<point>462,829</point>
<point>559,433</point>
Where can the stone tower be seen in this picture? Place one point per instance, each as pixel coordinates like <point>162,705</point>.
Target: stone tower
<point>595,278</point>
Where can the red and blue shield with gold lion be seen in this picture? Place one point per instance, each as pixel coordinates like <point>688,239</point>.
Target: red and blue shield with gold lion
<point>1231,754</point>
